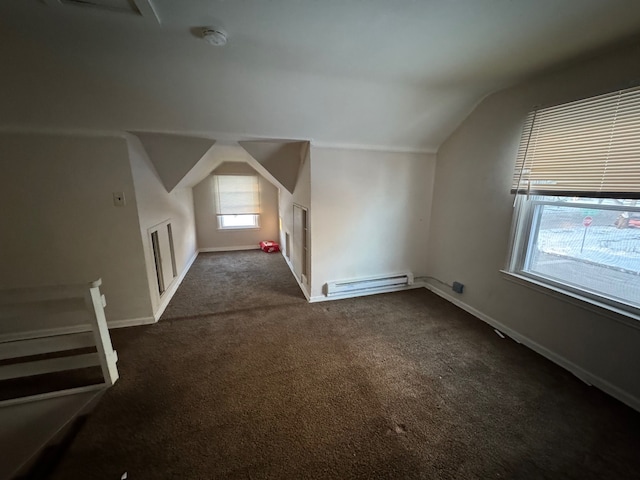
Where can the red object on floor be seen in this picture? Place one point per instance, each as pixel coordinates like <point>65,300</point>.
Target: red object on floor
<point>269,246</point>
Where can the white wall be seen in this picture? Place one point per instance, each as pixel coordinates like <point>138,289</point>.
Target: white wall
<point>370,213</point>
<point>472,214</point>
<point>59,224</point>
<point>302,196</point>
<point>156,205</point>
<point>208,234</point>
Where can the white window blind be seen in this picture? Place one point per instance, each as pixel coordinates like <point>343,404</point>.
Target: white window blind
<point>587,148</point>
<point>237,194</point>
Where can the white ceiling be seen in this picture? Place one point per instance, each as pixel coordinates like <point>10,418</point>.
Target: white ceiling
<point>396,74</point>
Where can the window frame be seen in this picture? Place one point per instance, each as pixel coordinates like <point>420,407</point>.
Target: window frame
<point>523,240</point>
<point>582,148</point>
<point>221,216</point>
<point>254,226</point>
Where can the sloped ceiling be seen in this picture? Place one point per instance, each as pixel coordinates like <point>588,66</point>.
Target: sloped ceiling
<point>228,154</point>
<point>174,156</point>
<point>376,74</point>
<point>204,167</point>
<point>280,158</point>
<point>234,168</point>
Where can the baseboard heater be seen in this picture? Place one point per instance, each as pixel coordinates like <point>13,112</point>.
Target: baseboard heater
<point>369,283</point>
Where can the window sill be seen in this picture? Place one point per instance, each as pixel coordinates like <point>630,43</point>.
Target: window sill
<point>622,316</point>
<point>233,229</point>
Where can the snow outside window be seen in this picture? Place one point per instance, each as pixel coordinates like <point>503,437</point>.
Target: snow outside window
<point>589,246</point>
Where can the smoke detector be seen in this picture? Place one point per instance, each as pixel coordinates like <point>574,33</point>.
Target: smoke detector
<point>214,36</point>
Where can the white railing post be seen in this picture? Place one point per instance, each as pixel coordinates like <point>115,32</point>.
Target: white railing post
<point>108,357</point>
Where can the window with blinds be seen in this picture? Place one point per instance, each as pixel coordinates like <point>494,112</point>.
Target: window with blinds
<point>237,201</point>
<point>586,148</point>
<point>577,216</point>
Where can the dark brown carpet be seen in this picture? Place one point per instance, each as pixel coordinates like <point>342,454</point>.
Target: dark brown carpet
<point>242,379</point>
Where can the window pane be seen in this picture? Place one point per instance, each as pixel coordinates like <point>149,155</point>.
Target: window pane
<point>238,221</point>
<point>589,244</point>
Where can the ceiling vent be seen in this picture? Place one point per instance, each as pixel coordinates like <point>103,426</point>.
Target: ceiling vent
<point>141,8</point>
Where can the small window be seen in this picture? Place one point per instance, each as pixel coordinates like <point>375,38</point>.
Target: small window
<point>237,201</point>
<point>238,221</point>
<point>577,186</point>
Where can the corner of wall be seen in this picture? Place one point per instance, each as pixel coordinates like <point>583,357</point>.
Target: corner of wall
<point>154,206</point>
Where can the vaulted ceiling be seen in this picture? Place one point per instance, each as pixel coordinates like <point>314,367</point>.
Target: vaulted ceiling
<point>391,74</point>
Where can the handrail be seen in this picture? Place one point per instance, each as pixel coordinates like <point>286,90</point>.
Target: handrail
<point>17,302</point>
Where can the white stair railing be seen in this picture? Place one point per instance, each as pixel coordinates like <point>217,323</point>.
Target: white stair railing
<point>53,303</point>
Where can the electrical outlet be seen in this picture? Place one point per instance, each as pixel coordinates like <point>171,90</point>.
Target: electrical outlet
<point>457,287</point>
<point>118,199</point>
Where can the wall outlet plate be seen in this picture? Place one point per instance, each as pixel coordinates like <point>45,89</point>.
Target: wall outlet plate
<point>118,199</point>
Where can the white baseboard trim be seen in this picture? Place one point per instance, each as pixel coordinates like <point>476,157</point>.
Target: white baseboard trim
<point>173,287</point>
<point>302,286</point>
<point>587,377</point>
<point>131,322</point>
<point>70,330</point>
<point>364,293</point>
<point>229,249</point>
<point>45,332</point>
<point>120,323</point>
